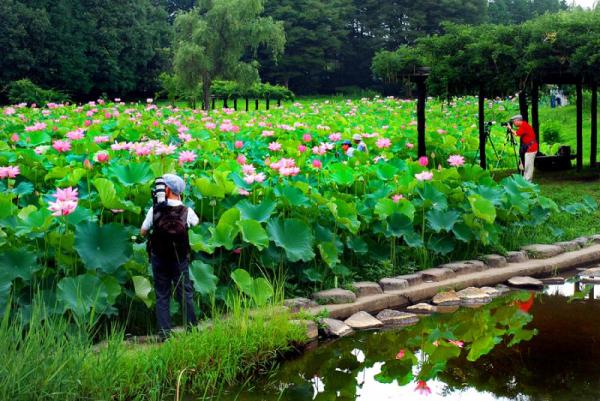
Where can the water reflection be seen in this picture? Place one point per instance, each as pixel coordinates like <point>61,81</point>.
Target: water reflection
<point>523,346</point>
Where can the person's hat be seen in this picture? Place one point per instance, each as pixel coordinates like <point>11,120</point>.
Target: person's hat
<point>347,143</point>
<point>174,183</point>
<point>357,137</point>
<point>517,117</point>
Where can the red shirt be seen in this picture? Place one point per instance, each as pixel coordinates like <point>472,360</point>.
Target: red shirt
<point>525,132</point>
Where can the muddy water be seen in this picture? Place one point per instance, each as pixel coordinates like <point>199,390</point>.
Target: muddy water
<point>523,346</point>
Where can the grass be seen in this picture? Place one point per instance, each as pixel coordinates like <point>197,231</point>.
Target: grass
<point>53,361</point>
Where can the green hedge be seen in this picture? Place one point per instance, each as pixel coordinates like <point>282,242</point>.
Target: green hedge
<point>25,91</point>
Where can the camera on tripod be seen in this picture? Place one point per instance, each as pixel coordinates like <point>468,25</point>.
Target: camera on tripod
<point>506,124</point>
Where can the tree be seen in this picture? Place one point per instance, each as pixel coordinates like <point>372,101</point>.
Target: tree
<point>212,39</point>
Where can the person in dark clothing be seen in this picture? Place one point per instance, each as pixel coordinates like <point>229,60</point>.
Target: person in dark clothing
<point>169,249</point>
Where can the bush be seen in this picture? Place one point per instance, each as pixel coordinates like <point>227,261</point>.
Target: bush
<point>25,91</point>
<point>551,134</point>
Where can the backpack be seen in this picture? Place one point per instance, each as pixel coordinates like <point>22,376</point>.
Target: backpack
<point>169,240</point>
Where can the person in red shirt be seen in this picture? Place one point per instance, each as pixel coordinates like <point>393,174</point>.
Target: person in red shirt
<point>529,144</point>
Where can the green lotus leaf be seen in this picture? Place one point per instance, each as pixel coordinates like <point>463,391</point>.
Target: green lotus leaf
<point>292,196</point>
<point>260,212</point>
<point>439,220</point>
<point>431,197</point>
<point>482,208</point>
<point>7,207</point>
<point>23,188</point>
<point>341,270</point>
<point>357,244</point>
<point>481,346</point>
<point>105,247</point>
<point>385,171</point>
<point>143,289</point>
<point>262,291</point>
<point>329,253</point>
<point>226,230</point>
<point>341,174</point>
<point>463,232</point>
<point>209,189</point>
<point>4,295</point>
<point>243,280</point>
<point>200,241</point>
<point>82,295</point>
<point>385,207</point>
<point>18,263</point>
<point>254,233</point>
<point>110,199</point>
<point>294,236</point>
<point>441,245</point>
<point>203,277</point>
<point>400,225</point>
<point>345,214</point>
<point>132,173</point>
<point>313,275</point>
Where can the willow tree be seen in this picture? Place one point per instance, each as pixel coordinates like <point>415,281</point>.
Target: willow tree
<point>218,39</point>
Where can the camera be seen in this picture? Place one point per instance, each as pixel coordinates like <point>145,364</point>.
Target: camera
<point>505,124</point>
<point>159,191</point>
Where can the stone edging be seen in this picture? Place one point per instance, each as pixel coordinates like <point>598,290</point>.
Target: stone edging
<point>393,299</point>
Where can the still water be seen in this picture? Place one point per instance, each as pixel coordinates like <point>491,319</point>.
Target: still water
<point>523,346</point>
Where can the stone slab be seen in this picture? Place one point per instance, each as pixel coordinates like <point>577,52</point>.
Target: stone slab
<point>542,251</point>
<point>335,328</point>
<point>413,278</point>
<point>422,308</point>
<point>437,274</point>
<point>334,296</point>
<point>465,266</point>
<point>525,282</point>
<point>590,272</point>
<point>297,304</point>
<point>516,257</point>
<point>553,280</point>
<point>473,295</point>
<point>568,246</point>
<point>446,298</point>
<point>362,321</point>
<point>494,260</point>
<point>366,288</point>
<point>491,291</point>
<point>390,317</point>
<point>502,289</point>
<point>393,284</point>
<point>312,330</point>
<point>595,238</point>
<point>582,241</point>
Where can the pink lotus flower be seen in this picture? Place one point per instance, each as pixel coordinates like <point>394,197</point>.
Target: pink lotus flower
<point>459,344</point>
<point>155,123</point>
<point>243,192</point>
<point>210,125</point>
<point>424,176</point>
<point>107,115</point>
<point>286,167</point>
<point>185,137</point>
<point>409,145</point>
<point>317,163</point>
<point>456,160</point>
<point>422,388</point>
<point>62,208</point>
<point>14,138</point>
<point>101,157</point>
<point>335,137</point>
<point>266,133</point>
<point>248,169</point>
<point>36,127</point>
<point>101,139</point>
<point>9,111</point>
<point>306,137</point>
<point>187,156</point>
<point>239,144</point>
<point>9,172</point>
<point>400,354</point>
<point>301,148</point>
<point>442,131</point>
<point>423,161</point>
<point>87,123</point>
<point>75,135</point>
<point>241,159</point>
<point>67,194</point>
<point>383,143</point>
<point>396,198</point>
<point>274,146</point>
<point>62,146</point>
<point>162,149</point>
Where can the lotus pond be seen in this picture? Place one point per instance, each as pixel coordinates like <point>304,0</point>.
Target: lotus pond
<point>276,195</point>
<point>522,346</point>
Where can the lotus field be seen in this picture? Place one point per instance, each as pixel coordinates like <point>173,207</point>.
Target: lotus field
<point>276,195</point>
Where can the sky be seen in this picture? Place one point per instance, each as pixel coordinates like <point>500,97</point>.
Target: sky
<point>584,3</point>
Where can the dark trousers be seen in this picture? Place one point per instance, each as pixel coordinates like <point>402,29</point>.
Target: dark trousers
<point>167,274</point>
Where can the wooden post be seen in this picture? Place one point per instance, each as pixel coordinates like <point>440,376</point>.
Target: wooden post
<point>246,104</point>
<point>482,138</point>
<point>594,128</point>
<point>225,103</point>
<point>255,104</point>
<point>267,101</point>
<point>213,103</point>
<point>535,119</point>
<point>421,98</point>
<point>235,103</point>
<point>579,126</point>
<point>278,102</point>
<point>523,108</point>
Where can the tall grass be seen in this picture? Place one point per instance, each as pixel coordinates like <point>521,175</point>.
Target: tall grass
<point>50,359</point>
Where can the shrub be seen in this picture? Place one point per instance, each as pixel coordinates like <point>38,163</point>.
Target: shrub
<point>551,134</point>
<point>25,91</point>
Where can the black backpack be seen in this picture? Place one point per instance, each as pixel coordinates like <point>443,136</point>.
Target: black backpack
<point>169,240</point>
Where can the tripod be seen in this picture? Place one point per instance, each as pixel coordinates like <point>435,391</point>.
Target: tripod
<point>487,138</point>
<point>510,138</point>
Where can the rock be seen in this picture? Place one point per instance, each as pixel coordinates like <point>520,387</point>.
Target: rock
<point>334,296</point>
<point>473,295</point>
<point>437,274</point>
<point>590,280</point>
<point>413,279</point>
<point>422,308</point>
<point>465,266</point>
<point>525,282</point>
<point>553,280</point>
<point>491,291</point>
<point>595,238</point>
<point>494,260</point>
<point>590,276</point>
<point>362,321</point>
<point>312,330</point>
<point>516,257</point>
<point>365,288</point>
<point>391,317</point>
<point>446,298</point>
<point>447,309</point>
<point>502,289</point>
<point>542,251</point>
<point>393,284</point>
<point>568,246</point>
<point>335,328</point>
<point>582,241</point>
<point>297,304</point>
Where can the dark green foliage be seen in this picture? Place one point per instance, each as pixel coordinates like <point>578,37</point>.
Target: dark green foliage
<point>25,91</point>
